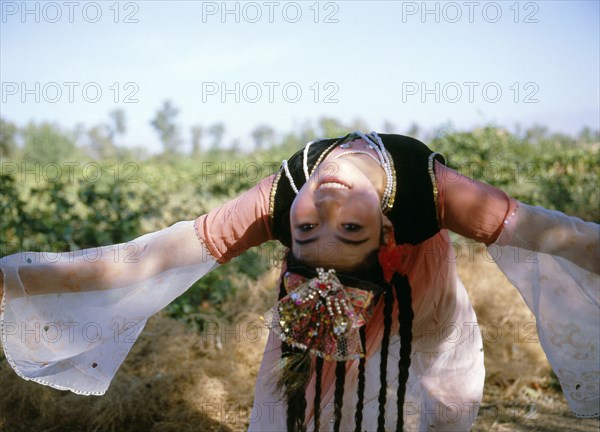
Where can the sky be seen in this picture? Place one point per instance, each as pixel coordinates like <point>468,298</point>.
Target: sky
<point>460,64</point>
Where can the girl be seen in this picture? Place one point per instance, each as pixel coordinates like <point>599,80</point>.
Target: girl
<point>373,330</point>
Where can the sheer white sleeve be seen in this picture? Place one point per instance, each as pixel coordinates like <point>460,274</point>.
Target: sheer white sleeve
<point>69,319</point>
<point>554,262</point>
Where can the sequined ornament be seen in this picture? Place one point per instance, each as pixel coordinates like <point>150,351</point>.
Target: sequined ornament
<point>321,315</point>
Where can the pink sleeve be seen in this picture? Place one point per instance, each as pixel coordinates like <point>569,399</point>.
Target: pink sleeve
<point>471,208</point>
<point>231,229</point>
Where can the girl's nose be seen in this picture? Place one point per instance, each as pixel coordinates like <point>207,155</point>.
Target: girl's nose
<point>329,201</point>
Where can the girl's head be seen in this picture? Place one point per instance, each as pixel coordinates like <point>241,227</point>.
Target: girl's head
<point>336,219</point>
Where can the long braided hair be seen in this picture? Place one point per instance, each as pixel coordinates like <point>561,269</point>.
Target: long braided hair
<point>298,367</point>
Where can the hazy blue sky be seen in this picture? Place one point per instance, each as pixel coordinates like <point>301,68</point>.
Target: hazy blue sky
<point>469,63</point>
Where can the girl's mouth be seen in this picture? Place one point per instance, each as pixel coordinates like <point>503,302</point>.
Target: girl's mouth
<point>332,184</point>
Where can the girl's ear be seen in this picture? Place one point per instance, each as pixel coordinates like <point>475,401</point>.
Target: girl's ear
<point>388,230</point>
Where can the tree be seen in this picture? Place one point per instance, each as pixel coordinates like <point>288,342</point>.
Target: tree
<point>536,134</point>
<point>8,135</point>
<point>263,135</point>
<point>414,130</point>
<point>359,125</point>
<point>236,146</point>
<point>168,132</point>
<point>46,142</point>
<point>388,127</point>
<point>101,137</point>
<point>196,140</point>
<point>331,127</point>
<point>217,131</point>
<point>117,124</point>
<point>100,142</point>
<point>588,136</point>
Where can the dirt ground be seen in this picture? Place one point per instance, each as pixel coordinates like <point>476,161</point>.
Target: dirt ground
<point>176,379</point>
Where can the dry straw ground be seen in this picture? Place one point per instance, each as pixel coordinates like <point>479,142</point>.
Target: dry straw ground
<point>177,380</point>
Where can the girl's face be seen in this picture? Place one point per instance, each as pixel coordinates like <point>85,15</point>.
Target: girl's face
<point>336,219</point>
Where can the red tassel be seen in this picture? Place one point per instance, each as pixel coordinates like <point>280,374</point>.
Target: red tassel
<point>394,258</point>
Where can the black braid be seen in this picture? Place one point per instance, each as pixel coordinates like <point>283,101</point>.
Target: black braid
<point>405,319</point>
<point>385,341</point>
<point>340,376</point>
<point>282,291</point>
<point>296,363</point>
<point>319,372</point>
<point>358,416</point>
<point>368,277</point>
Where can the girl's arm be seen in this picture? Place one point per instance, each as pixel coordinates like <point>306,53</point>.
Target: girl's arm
<point>219,235</point>
<point>238,225</point>
<point>482,212</point>
<point>470,208</point>
<point>553,260</point>
<point>51,300</point>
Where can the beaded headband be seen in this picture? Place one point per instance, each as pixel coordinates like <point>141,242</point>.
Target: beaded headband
<point>374,142</point>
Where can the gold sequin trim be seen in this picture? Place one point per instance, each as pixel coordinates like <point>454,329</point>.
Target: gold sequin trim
<point>202,243</point>
<point>272,195</point>
<point>319,160</point>
<point>511,215</point>
<point>325,152</point>
<point>434,184</point>
<point>390,204</point>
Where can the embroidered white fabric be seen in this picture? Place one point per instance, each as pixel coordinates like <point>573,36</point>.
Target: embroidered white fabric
<point>554,261</point>
<point>69,319</point>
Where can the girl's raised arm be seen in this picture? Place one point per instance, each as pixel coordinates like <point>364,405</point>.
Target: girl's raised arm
<point>554,262</point>
<point>238,225</point>
<point>69,319</point>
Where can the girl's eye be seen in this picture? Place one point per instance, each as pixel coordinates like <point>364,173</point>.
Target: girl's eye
<point>306,227</point>
<point>352,227</point>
